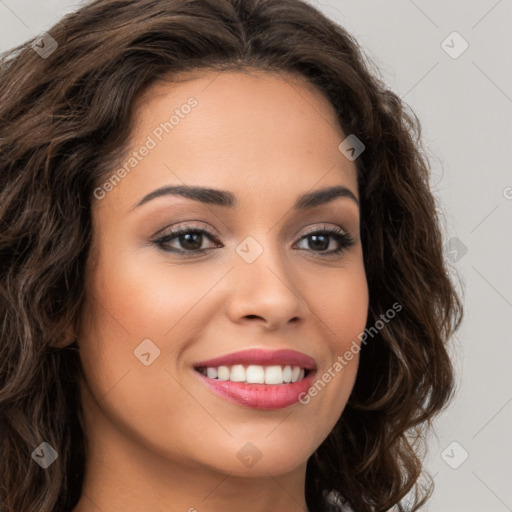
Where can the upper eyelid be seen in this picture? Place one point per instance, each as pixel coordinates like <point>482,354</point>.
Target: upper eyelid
<point>172,231</point>
<point>325,227</point>
<point>201,226</point>
<point>337,232</point>
<point>347,219</point>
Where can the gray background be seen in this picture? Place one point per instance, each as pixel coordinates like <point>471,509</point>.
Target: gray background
<point>465,106</point>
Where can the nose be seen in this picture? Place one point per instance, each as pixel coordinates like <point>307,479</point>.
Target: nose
<point>267,290</point>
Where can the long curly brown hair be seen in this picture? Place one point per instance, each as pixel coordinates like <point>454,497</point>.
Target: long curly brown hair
<point>66,118</point>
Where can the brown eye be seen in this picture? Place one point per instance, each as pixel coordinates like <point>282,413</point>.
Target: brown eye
<point>319,241</point>
<point>189,239</point>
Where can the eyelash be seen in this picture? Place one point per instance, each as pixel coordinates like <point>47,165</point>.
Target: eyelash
<point>344,240</point>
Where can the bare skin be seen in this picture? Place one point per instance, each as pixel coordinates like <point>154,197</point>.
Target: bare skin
<point>158,438</point>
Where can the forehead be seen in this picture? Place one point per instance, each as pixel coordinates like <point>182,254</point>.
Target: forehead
<point>257,133</point>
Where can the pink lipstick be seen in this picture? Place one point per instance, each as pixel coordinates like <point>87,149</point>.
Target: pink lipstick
<point>258,378</point>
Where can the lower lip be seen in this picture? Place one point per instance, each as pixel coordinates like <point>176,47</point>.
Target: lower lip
<point>260,396</point>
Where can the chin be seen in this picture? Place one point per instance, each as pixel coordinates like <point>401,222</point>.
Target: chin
<point>260,457</point>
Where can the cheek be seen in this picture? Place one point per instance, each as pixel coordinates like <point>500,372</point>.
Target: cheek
<point>343,310</point>
<point>149,296</point>
<point>133,308</point>
<point>128,391</point>
<point>342,305</point>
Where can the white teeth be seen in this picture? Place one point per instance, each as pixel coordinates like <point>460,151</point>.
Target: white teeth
<point>211,373</point>
<point>273,375</point>
<point>237,373</point>
<point>287,373</point>
<point>256,374</point>
<point>223,373</point>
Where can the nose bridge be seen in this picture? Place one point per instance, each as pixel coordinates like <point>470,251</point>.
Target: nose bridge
<point>261,254</point>
<point>265,279</point>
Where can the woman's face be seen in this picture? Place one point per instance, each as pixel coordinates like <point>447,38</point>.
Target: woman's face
<point>155,308</point>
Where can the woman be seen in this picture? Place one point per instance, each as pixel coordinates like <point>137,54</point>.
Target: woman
<point>222,278</point>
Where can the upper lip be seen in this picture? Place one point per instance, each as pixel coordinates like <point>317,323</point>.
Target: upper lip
<point>262,357</point>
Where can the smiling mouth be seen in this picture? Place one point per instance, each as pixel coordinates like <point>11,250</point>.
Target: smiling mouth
<point>255,374</point>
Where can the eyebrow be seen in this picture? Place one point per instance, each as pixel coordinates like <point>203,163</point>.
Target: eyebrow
<point>228,199</point>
